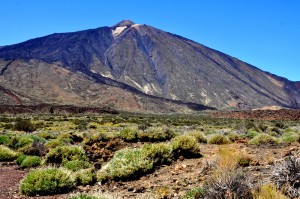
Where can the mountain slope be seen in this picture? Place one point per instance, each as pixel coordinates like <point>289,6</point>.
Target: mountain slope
<point>142,58</point>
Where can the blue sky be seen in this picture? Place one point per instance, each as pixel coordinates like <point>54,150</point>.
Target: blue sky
<point>264,33</point>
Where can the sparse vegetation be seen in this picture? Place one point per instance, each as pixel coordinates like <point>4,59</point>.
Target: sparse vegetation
<point>87,149</point>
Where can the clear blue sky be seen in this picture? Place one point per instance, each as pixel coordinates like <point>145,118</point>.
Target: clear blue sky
<point>264,33</point>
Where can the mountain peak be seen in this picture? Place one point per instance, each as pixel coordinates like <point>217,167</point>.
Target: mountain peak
<point>124,23</point>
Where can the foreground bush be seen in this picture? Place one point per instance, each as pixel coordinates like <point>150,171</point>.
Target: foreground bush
<point>20,159</point>
<point>268,192</point>
<point>63,154</point>
<point>227,184</point>
<point>126,164</point>
<point>7,154</point>
<point>46,181</point>
<point>185,146</point>
<point>4,139</point>
<point>263,139</point>
<point>218,139</point>
<point>286,176</point>
<point>30,161</point>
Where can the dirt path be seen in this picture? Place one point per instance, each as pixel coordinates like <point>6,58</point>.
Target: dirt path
<point>10,178</point>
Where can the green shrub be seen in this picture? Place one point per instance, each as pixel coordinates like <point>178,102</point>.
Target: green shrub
<point>159,153</point>
<point>51,144</point>
<point>289,137</point>
<point>31,161</point>
<point>24,125</point>
<point>194,193</point>
<point>251,134</point>
<point>263,139</point>
<point>75,165</point>
<point>126,164</point>
<point>218,139</point>
<point>4,139</point>
<point>63,154</point>
<point>6,154</point>
<point>83,196</point>
<point>198,135</point>
<point>185,146</point>
<point>233,137</point>
<point>20,159</point>
<point>46,181</point>
<point>85,176</point>
<point>129,134</point>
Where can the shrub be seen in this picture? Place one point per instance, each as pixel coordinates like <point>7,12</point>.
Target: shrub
<point>83,196</point>
<point>268,192</point>
<point>159,153</point>
<point>24,125</point>
<point>286,176</point>
<point>20,159</point>
<point>85,176</point>
<point>36,148</point>
<point>251,134</point>
<point>263,139</point>
<point>46,181</point>
<point>63,154</point>
<point>126,164</point>
<point>289,137</point>
<point>51,144</point>
<point>225,184</point>
<point>4,139</point>
<point>194,193</point>
<point>155,135</point>
<point>31,161</point>
<point>75,165</point>
<point>198,135</point>
<point>218,139</point>
<point>185,146</point>
<point>7,154</point>
<point>129,134</point>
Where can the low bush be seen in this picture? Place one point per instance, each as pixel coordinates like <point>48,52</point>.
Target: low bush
<point>289,137</point>
<point>20,159</point>
<point>129,134</point>
<point>46,181</point>
<point>84,196</point>
<point>159,153</point>
<point>227,184</point>
<point>24,125</point>
<point>268,192</point>
<point>218,139</point>
<point>4,139</point>
<point>263,139</point>
<point>75,165</point>
<point>285,175</point>
<point>51,144</point>
<point>198,135</point>
<point>85,176</point>
<point>31,161</point>
<point>194,193</point>
<point>63,154</point>
<point>185,146</point>
<point>126,164</point>
<point>6,154</point>
<point>36,148</point>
